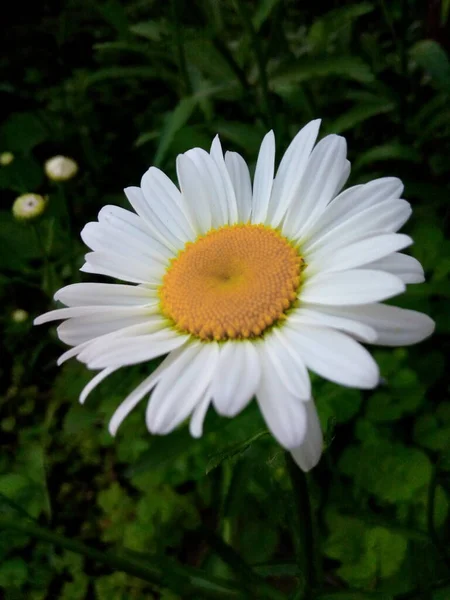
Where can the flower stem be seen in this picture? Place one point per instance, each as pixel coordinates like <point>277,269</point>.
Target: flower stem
<point>47,280</point>
<point>304,542</point>
<point>65,201</point>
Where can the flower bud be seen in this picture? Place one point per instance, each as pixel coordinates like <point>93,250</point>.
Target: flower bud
<point>60,168</point>
<point>6,158</point>
<point>28,207</point>
<point>19,315</point>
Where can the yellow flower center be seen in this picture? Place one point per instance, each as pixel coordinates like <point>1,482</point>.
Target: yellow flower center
<point>232,283</point>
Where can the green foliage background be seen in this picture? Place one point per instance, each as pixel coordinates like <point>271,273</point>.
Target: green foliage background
<point>120,86</point>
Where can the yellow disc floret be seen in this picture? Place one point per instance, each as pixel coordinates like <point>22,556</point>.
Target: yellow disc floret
<point>232,283</point>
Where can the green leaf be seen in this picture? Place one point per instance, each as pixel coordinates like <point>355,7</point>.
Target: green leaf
<point>390,151</point>
<point>359,114</point>
<point>351,595</point>
<point>433,430</point>
<point>233,452</point>
<point>77,419</point>
<point>174,122</point>
<point>150,30</point>
<point>335,23</point>
<point>117,73</point>
<point>18,243</point>
<point>338,403</point>
<point>390,471</point>
<point>115,14</point>
<point>402,394</point>
<point>22,491</point>
<point>23,175</point>
<point>148,136</point>
<point>434,60</point>
<point>305,69</point>
<point>13,573</point>
<point>247,137</point>
<point>364,552</point>
<point>202,54</point>
<point>140,48</point>
<point>262,12</point>
<point>21,132</point>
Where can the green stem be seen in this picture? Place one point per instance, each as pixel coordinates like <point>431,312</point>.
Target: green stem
<point>194,583</point>
<point>47,284</point>
<point>65,201</point>
<point>179,44</point>
<point>242,10</point>
<point>249,579</point>
<point>226,54</point>
<point>304,543</point>
<point>440,547</point>
<point>148,573</point>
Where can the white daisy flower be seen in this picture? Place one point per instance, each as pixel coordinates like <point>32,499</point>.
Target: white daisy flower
<point>245,288</point>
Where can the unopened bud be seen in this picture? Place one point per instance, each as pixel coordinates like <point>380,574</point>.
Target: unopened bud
<point>6,158</point>
<point>19,315</point>
<point>60,168</point>
<point>29,207</point>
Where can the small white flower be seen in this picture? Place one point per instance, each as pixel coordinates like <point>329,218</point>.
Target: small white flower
<point>60,168</point>
<point>245,287</point>
<point>6,158</point>
<point>29,207</point>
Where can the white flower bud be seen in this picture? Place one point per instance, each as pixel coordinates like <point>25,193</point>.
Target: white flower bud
<point>6,158</point>
<point>28,207</point>
<point>60,168</point>
<point>19,315</point>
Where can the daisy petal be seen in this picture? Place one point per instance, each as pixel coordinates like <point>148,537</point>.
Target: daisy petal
<point>334,355</point>
<point>384,217</point>
<point>290,172</point>
<point>132,351</point>
<point>284,414</point>
<point>290,367</point>
<point>308,454</point>
<point>358,254</point>
<point>105,294</point>
<point>407,268</point>
<point>325,316</point>
<point>323,175</point>
<point>167,204</point>
<point>358,286</point>
<point>94,382</point>
<point>157,227</point>
<point>198,416</point>
<point>133,399</point>
<point>303,382</point>
<point>241,363</point>
<point>81,311</point>
<point>71,353</point>
<point>208,177</point>
<point>170,404</point>
<point>394,326</point>
<point>123,267</point>
<point>133,229</point>
<point>263,180</point>
<point>240,178</point>
<point>78,330</point>
<point>355,200</point>
<point>217,155</point>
